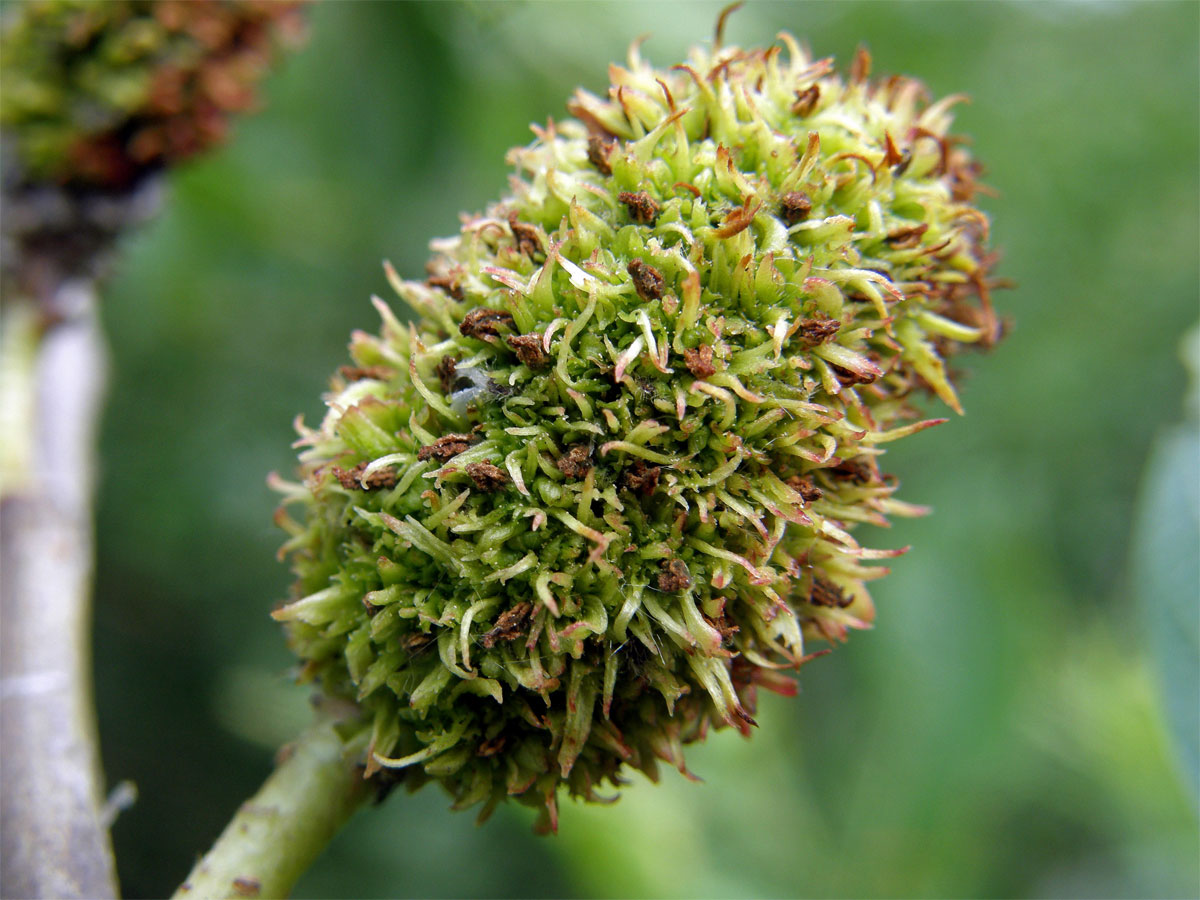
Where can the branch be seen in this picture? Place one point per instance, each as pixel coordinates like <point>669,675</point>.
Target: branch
<point>277,834</point>
<point>51,835</point>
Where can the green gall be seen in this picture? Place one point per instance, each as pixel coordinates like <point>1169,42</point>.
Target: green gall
<point>98,94</point>
<point>602,489</point>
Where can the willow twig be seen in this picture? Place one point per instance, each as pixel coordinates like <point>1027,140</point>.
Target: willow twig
<point>276,834</point>
<point>52,839</point>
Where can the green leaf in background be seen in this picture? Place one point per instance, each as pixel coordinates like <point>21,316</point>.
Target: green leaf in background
<point>1166,570</point>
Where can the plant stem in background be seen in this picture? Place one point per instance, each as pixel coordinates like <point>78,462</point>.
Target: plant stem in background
<point>98,100</point>
<point>53,840</point>
<point>276,834</point>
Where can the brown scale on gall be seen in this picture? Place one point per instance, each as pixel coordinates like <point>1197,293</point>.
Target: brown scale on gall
<point>352,480</point>
<point>451,284</point>
<point>674,576</point>
<point>795,206</point>
<point>849,379</point>
<point>700,361</point>
<point>641,478</point>
<point>818,331</point>
<point>803,485</point>
<point>598,151</point>
<point>528,348</point>
<point>642,207</point>
<point>576,462</point>
<point>446,371</point>
<point>529,242</point>
<point>485,324</point>
<point>445,447</point>
<point>486,476</point>
<point>647,280</point>
<point>510,626</point>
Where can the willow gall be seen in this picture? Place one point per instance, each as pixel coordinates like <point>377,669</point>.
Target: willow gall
<point>602,488</point>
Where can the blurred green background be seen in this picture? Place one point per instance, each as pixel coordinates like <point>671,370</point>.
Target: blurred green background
<point>1002,730</point>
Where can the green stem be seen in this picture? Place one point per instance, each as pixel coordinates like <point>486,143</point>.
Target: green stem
<point>281,830</point>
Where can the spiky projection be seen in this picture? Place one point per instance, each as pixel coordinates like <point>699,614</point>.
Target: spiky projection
<point>602,488</point>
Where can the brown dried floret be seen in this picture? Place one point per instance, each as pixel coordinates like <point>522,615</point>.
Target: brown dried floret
<point>445,447</point>
<point>803,485</point>
<point>642,207</point>
<point>818,330</point>
<point>700,361</point>
<point>647,280</point>
<point>528,348</point>
<point>446,370</point>
<point>576,462</point>
<point>598,150</point>
<point>359,373</point>
<point>641,478</point>
<point>795,206</point>
<point>674,576</point>
<point>825,593</point>
<point>352,480</point>
<point>510,625</point>
<point>528,240</point>
<point>484,323</point>
<point>486,476</point>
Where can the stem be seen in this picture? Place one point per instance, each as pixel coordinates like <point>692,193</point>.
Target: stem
<point>275,835</point>
<point>53,841</point>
